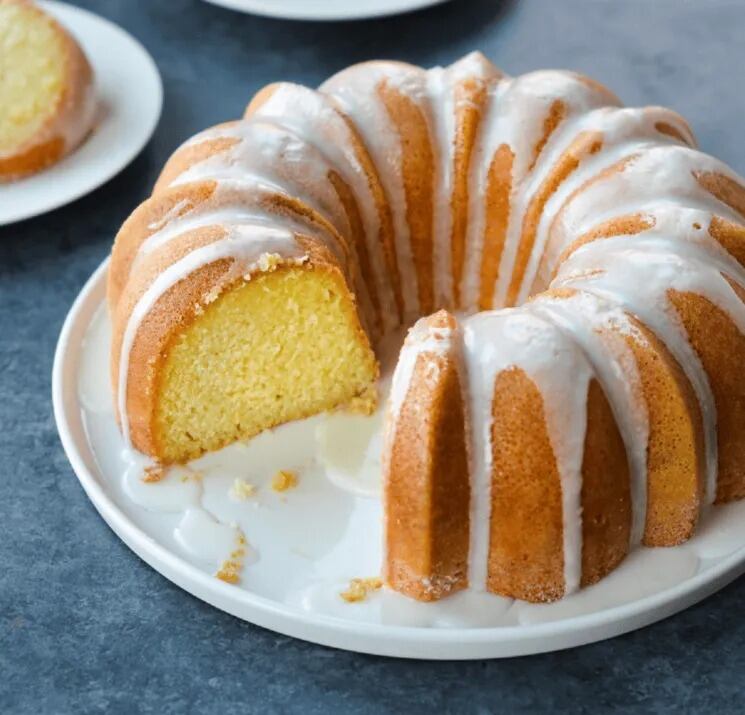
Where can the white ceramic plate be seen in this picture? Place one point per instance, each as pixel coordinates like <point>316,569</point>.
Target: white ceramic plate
<point>130,97</point>
<point>325,9</point>
<point>305,544</point>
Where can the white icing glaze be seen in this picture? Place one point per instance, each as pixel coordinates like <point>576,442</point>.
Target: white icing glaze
<point>625,132</point>
<point>233,203</point>
<point>313,117</point>
<point>356,89</point>
<point>422,339</point>
<point>442,85</point>
<point>179,488</point>
<point>638,189</point>
<point>582,316</point>
<point>515,117</point>
<point>204,538</point>
<point>441,89</point>
<point>498,341</point>
<point>652,271</point>
<point>276,156</point>
<point>349,448</point>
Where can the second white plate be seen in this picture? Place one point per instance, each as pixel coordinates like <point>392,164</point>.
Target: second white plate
<point>130,98</point>
<point>325,9</point>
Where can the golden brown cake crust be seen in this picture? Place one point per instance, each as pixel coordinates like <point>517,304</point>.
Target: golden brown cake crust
<point>418,170</point>
<point>498,215</point>
<point>721,348</point>
<point>526,554</point>
<point>427,491</point>
<point>470,99</point>
<point>586,144</point>
<point>676,467</point>
<point>606,495</point>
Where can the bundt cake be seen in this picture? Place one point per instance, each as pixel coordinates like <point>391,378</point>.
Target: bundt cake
<point>573,386</point>
<point>46,90</point>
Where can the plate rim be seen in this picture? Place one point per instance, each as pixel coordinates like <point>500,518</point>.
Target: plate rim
<point>85,188</point>
<point>262,8</point>
<point>375,639</point>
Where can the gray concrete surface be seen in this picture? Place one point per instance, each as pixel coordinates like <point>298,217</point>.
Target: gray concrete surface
<point>85,626</point>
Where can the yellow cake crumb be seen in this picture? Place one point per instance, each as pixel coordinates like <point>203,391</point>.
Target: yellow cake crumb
<point>363,404</point>
<point>359,588</point>
<point>242,490</point>
<point>153,474</point>
<point>284,480</point>
<point>228,575</point>
<point>269,261</point>
<point>230,570</point>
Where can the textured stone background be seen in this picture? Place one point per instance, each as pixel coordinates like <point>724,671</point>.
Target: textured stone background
<point>85,626</point>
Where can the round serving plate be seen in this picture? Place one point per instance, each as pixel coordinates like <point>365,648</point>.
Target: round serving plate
<point>325,9</point>
<point>306,544</point>
<point>129,93</point>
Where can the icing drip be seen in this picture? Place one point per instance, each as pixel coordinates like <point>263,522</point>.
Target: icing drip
<point>610,267</point>
<point>583,317</point>
<point>318,122</point>
<point>443,87</point>
<point>357,91</point>
<point>636,187</point>
<point>422,339</point>
<point>520,124</point>
<point>440,90</point>
<point>231,204</point>
<point>626,132</point>
<point>275,156</point>
<point>496,341</point>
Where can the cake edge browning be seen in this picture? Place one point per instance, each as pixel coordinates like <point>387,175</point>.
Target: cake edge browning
<point>426,474</point>
<point>526,554</point>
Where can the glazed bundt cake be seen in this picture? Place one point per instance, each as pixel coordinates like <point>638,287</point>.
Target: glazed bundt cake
<point>573,386</point>
<point>46,90</point>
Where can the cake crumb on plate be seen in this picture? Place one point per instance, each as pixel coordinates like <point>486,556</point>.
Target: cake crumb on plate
<point>242,490</point>
<point>153,474</point>
<point>284,480</point>
<point>230,569</point>
<point>359,588</point>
